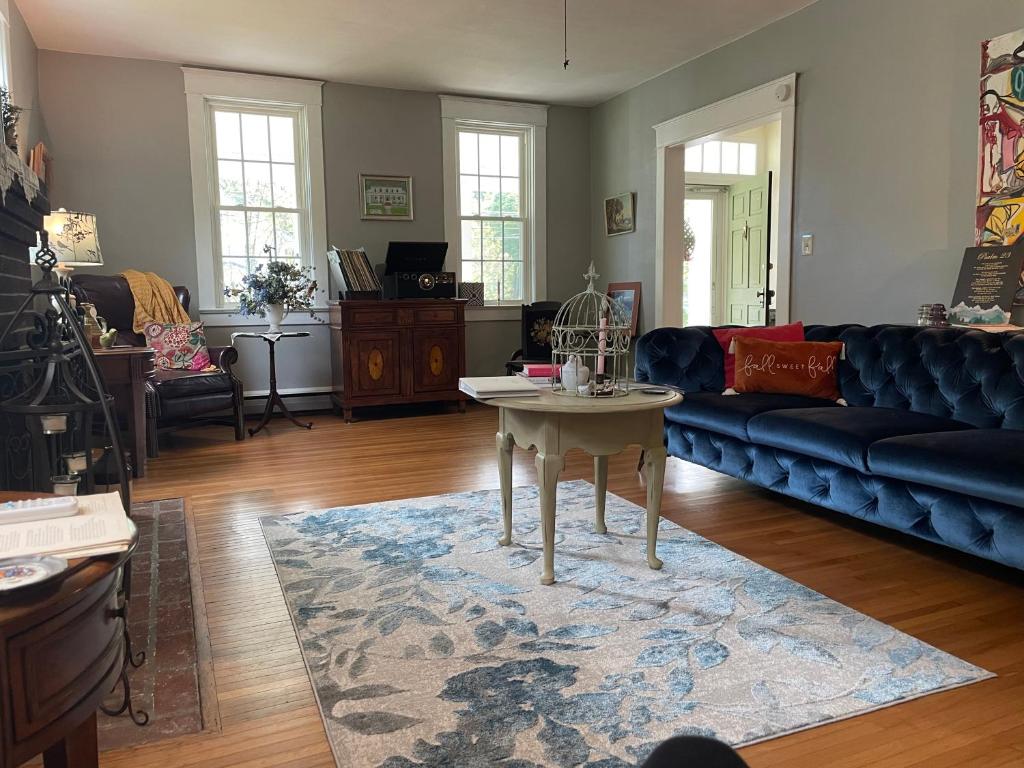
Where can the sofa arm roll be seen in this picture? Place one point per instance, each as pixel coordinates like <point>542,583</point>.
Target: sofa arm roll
<point>688,358</point>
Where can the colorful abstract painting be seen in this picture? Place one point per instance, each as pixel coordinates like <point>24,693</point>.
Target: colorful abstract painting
<point>1000,215</point>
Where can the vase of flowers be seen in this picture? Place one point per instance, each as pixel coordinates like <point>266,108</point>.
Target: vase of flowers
<point>273,290</point>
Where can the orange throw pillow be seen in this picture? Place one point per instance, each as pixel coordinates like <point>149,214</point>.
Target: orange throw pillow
<point>788,367</point>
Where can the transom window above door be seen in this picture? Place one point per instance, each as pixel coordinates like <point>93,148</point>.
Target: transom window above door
<point>492,198</point>
<point>738,158</point>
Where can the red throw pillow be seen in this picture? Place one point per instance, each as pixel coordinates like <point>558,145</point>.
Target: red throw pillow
<point>788,367</point>
<point>724,336</point>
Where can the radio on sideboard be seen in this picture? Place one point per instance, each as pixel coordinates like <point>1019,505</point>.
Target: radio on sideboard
<point>415,270</point>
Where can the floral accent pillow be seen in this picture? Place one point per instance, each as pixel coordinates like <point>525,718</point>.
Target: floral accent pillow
<point>180,346</point>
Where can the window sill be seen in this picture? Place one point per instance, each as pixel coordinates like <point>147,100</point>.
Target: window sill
<point>492,314</point>
<point>231,318</point>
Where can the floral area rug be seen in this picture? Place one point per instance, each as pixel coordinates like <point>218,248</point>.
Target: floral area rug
<point>429,645</point>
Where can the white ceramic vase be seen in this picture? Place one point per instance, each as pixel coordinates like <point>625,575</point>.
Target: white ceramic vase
<point>275,315</point>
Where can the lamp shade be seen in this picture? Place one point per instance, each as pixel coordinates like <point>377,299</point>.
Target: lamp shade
<point>73,238</point>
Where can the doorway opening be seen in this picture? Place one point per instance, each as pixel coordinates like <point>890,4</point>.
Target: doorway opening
<point>730,226</point>
<point>724,210</point>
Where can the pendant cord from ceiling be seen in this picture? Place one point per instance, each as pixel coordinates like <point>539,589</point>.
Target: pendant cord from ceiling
<point>565,33</point>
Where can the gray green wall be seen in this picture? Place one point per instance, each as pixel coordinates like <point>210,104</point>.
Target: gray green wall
<point>25,84</point>
<point>885,158</point>
<point>119,135</point>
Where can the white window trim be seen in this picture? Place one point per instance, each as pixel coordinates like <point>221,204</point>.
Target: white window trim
<point>7,76</point>
<point>203,86</point>
<point>533,118</point>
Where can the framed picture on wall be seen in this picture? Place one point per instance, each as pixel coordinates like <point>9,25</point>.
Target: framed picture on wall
<point>628,297</point>
<point>385,198</point>
<point>619,215</point>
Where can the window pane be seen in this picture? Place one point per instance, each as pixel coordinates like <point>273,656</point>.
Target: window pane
<point>232,233</point>
<point>490,196</point>
<point>748,159</point>
<point>470,193</point>
<point>287,235</point>
<point>467,152</point>
<point>694,158</point>
<point>490,161</point>
<point>712,156</point>
<point>284,186</point>
<point>509,197</point>
<point>510,155</point>
<point>233,271</point>
<point>492,279</point>
<point>471,271</point>
<point>228,138</point>
<point>470,242</point>
<point>229,178</point>
<point>513,244</point>
<point>282,139</point>
<point>512,283</point>
<point>261,232</point>
<point>254,137</point>
<point>730,157</point>
<point>257,185</point>
<point>493,241</point>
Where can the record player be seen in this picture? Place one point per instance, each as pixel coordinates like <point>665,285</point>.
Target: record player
<point>415,270</point>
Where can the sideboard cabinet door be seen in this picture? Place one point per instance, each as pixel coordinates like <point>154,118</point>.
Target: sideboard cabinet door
<point>376,363</point>
<point>437,357</point>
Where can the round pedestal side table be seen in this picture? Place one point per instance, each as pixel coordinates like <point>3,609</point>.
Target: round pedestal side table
<point>273,396</point>
<point>61,653</point>
<point>553,424</point>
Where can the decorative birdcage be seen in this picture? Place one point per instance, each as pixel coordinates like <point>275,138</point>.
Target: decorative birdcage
<point>590,344</point>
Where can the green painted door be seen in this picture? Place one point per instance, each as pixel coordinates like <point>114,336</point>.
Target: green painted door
<point>746,269</point>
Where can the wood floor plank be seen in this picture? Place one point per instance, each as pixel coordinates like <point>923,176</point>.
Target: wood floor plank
<point>266,705</point>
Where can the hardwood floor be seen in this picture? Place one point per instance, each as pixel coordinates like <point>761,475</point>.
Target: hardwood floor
<point>267,712</point>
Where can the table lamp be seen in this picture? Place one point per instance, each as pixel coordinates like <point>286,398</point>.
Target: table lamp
<point>73,238</point>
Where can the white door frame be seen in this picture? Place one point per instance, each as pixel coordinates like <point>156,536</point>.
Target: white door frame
<point>776,99</point>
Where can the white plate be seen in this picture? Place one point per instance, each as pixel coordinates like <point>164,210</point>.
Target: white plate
<point>18,572</point>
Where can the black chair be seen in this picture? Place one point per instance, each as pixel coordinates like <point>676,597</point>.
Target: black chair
<point>537,319</point>
<point>174,398</point>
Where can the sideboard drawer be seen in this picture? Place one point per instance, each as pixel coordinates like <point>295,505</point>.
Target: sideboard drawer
<point>56,661</point>
<point>373,317</point>
<point>440,315</point>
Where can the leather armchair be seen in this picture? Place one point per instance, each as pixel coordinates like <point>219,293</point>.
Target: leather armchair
<point>174,398</point>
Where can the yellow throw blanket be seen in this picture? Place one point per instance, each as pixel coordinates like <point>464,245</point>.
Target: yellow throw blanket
<point>155,300</point>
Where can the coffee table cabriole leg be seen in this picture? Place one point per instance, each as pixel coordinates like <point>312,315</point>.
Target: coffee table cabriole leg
<point>504,442</point>
<point>655,462</point>
<point>548,468</point>
<point>600,491</point>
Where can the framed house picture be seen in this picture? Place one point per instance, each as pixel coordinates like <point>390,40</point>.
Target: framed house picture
<point>619,215</point>
<point>385,198</point>
<point>628,297</point>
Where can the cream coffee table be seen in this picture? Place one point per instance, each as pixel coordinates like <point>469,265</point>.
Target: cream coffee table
<point>552,424</point>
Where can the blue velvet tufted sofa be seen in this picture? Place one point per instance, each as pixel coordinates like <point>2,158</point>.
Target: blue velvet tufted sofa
<point>932,442</point>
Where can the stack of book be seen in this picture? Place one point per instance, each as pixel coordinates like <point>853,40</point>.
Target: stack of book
<point>542,374</point>
<point>357,276</point>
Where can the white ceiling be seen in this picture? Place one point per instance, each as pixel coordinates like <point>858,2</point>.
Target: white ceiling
<point>510,49</point>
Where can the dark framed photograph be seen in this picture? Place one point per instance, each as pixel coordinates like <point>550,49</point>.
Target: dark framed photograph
<point>619,214</point>
<point>628,297</point>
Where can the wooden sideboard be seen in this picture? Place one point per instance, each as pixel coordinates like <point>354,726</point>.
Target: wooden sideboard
<point>387,352</point>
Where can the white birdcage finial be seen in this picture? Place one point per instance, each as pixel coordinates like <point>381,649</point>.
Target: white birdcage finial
<point>590,276</point>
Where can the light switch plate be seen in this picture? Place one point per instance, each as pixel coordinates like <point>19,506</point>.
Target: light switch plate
<point>806,244</point>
